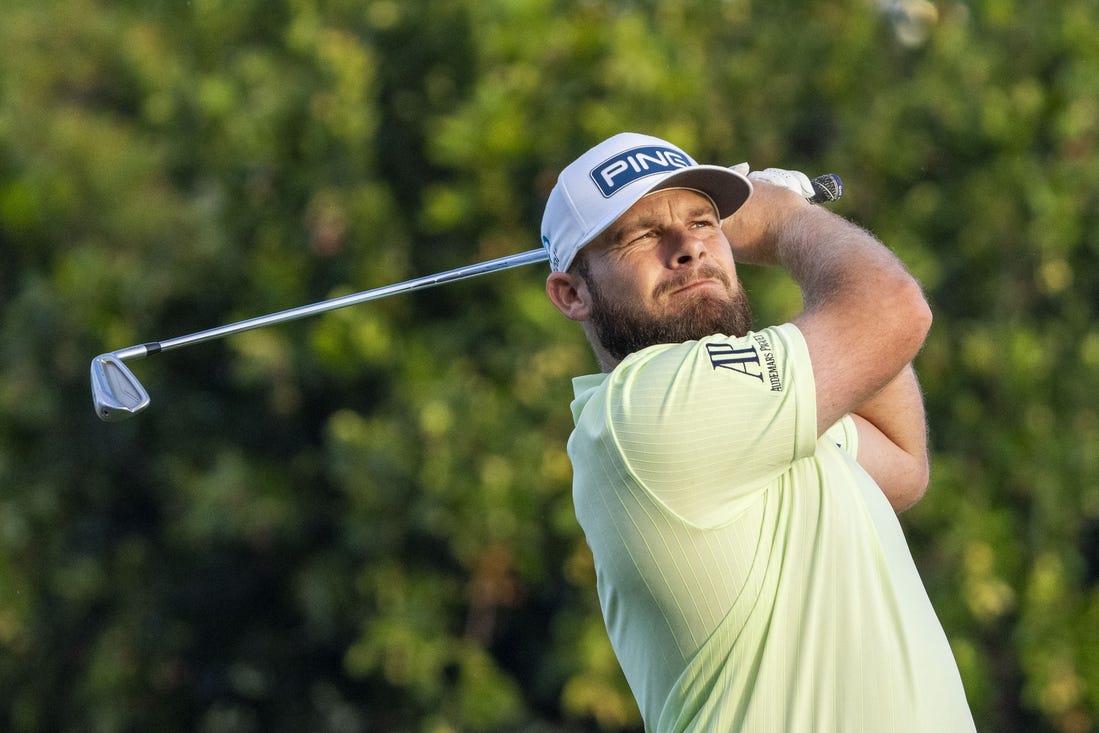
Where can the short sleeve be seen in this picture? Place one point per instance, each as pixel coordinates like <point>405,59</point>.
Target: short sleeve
<point>705,424</point>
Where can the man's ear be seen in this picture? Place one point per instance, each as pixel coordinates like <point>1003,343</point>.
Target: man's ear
<point>569,293</point>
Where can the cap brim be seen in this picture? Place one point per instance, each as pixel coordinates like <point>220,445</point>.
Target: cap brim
<point>728,189</point>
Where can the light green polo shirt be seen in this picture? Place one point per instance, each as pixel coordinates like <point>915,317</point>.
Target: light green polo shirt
<point>751,576</point>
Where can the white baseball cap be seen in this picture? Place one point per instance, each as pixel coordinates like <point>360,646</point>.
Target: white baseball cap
<point>603,183</point>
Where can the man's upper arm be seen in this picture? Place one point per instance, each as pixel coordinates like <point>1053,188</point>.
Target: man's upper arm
<point>900,475</point>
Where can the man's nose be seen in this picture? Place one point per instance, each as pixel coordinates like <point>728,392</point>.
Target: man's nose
<point>686,246</point>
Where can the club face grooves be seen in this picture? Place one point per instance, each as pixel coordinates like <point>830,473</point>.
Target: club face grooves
<point>116,393</point>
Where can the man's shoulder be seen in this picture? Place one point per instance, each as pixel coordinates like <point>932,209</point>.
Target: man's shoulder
<point>756,354</point>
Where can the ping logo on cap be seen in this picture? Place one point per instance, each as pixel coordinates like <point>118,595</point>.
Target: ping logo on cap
<point>628,166</point>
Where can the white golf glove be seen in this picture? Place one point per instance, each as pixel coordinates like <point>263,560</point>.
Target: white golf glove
<point>796,181</point>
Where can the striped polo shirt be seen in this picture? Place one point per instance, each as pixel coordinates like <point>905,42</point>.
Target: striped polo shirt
<point>752,577</point>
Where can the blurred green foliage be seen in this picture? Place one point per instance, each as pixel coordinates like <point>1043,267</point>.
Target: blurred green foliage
<point>362,522</point>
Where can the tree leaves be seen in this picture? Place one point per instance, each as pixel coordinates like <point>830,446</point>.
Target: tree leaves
<point>363,522</point>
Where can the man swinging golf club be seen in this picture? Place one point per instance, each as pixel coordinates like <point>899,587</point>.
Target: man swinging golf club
<point>739,488</point>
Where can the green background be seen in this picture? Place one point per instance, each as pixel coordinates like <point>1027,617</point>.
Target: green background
<point>362,521</point>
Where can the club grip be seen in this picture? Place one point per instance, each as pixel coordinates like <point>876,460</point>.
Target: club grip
<point>826,188</point>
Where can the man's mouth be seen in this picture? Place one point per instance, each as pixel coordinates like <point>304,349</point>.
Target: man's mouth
<point>696,284</point>
<point>702,279</point>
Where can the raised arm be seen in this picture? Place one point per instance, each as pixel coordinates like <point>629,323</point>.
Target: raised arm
<point>864,316</point>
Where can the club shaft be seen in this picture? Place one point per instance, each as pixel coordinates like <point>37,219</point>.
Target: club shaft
<point>828,187</point>
<point>140,351</point>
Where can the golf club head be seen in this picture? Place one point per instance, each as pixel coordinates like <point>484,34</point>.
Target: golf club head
<point>116,392</point>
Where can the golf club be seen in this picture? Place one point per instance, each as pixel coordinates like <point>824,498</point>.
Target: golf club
<point>117,394</point>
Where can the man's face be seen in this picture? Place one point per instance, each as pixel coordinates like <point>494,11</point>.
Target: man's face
<point>663,273</point>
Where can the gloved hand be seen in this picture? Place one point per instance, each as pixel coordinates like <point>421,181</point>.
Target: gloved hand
<point>796,181</point>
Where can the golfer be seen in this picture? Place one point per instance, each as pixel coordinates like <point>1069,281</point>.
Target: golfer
<point>739,488</point>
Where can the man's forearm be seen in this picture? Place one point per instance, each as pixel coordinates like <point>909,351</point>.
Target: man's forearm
<point>865,319</point>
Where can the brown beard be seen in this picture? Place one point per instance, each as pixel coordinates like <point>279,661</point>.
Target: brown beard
<point>623,328</point>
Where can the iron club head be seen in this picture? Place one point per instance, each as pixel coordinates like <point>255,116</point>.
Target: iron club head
<point>116,392</point>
